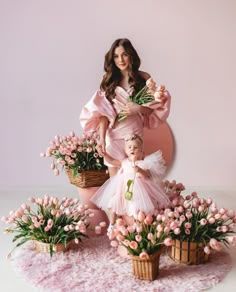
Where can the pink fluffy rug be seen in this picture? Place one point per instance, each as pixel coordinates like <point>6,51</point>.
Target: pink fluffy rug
<point>95,266</point>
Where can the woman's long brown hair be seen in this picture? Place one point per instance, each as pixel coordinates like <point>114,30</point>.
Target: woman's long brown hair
<point>112,77</point>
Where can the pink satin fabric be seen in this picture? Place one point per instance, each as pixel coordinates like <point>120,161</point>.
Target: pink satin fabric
<point>99,106</point>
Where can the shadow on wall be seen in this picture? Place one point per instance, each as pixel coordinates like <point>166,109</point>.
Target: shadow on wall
<point>161,139</point>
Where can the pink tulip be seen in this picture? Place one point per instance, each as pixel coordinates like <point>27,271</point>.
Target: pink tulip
<point>150,236</point>
<point>224,228</point>
<point>186,204</point>
<point>177,231</point>
<point>148,220</point>
<point>207,249</point>
<point>50,223</point>
<point>4,219</point>
<point>174,225</point>
<point>188,225</point>
<point>139,228</point>
<point>141,216</point>
<point>175,201</point>
<point>112,234</point>
<point>189,215</point>
<point>119,222</point>
<point>203,221</point>
<point>201,208</point>
<point>159,228</point>
<point>187,231</point>
<point>166,229</point>
<point>138,238</point>
<point>209,202</point>
<point>171,214</point>
<point>212,220</point>
<point>223,211</point>
<point>215,244</point>
<point>159,217</point>
<point>56,172</point>
<point>98,229</point>
<point>231,214</point>
<point>102,224</point>
<point>120,237</point>
<point>46,229</point>
<point>126,242</point>
<point>143,255</point>
<point>19,213</point>
<point>58,214</point>
<point>53,166</point>
<point>124,231</point>
<point>133,245</point>
<point>168,241</point>
<point>131,229</point>
<point>76,240</point>
<point>66,228</point>
<point>83,230</point>
<point>53,212</point>
<point>218,216</point>
<point>32,200</point>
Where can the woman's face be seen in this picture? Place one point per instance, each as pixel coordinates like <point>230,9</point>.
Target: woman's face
<point>121,58</point>
<point>133,150</point>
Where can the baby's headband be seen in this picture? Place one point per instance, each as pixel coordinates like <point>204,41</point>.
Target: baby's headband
<point>133,137</point>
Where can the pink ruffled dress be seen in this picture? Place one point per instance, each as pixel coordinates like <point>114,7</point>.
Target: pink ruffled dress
<point>99,106</point>
<point>147,193</point>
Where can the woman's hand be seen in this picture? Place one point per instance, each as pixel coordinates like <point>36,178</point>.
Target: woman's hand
<point>131,108</point>
<point>101,148</point>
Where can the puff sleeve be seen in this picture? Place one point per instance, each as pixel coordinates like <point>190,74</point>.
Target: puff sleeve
<point>95,108</point>
<point>160,112</point>
<point>155,163</point>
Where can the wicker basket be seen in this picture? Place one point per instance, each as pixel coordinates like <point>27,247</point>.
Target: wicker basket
<point>147,269</point>
<point>186,252</point>
<point>45,247</point>
<point>86,179</point>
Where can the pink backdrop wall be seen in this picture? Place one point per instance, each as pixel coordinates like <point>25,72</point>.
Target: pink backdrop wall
<point>51,62</point>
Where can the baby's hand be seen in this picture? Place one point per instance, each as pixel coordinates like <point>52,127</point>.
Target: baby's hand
<point>141,172</point>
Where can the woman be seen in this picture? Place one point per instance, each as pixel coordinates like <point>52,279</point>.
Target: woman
<point>122,79</point>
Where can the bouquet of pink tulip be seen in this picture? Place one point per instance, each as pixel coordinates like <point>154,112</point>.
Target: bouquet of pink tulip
<point>199,220</point>
<point>173,189</point>
<point>52,222</point>
<point>149,93</point>
<point>143,238</point>
<point>72,152</point>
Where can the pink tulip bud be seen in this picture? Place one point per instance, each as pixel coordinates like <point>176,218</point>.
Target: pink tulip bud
<point>98,229</point>
<point>207,249</point>
<point>168,241</point>
<point>102,224</point>
<point>141,216</point>
<point>143,255</point>
<point>56,172</point>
